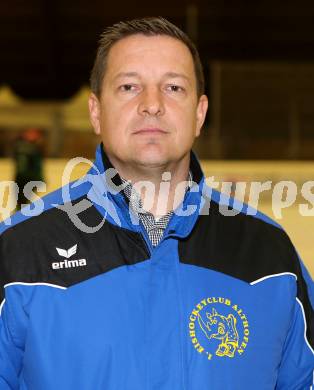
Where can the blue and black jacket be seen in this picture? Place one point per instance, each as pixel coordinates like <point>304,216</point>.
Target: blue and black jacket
<point>223,302</point>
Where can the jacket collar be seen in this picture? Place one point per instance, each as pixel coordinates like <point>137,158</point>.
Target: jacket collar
<point>185,216</point>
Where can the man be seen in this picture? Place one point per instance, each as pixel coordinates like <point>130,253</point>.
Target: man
<point>168,292</point>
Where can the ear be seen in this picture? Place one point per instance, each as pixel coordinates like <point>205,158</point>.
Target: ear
<point>201,110</point>
<point>94,112</point>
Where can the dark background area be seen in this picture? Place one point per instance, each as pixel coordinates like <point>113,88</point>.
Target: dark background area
<point>258,59</point>
<point>47,47</point>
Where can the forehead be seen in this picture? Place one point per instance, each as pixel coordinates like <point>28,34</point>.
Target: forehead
<point>160,53</point>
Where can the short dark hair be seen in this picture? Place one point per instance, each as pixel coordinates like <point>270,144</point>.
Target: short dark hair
<point>149,26</point>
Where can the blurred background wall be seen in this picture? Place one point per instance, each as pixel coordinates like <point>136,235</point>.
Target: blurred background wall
<point>259,66</point>
<point>258,60</point>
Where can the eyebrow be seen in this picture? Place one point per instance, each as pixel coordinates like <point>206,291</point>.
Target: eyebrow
<point>172,75</point>
<point>126,74</point>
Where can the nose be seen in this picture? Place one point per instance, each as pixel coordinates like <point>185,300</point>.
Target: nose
<point>151,103</point>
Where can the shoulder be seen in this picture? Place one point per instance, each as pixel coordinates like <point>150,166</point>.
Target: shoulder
<point>28,239</point>
<point>239,241</point>
<point>65,243</point>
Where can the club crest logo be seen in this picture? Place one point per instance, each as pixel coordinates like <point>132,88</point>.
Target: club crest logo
<point>218,328</point>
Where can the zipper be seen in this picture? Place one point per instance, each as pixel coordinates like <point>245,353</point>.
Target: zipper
<point>148,245</point>
<point>144,236</point>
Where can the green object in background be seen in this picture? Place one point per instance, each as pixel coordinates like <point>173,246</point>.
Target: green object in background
<point>28,159</point>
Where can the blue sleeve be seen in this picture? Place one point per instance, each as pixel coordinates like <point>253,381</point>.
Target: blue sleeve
<point>297,364</point>
<point>11,351</point>
<point>13,320</point>
<point>309,283</point>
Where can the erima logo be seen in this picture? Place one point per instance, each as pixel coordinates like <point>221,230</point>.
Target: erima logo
<point>67,253</point>
<point>68,263</point>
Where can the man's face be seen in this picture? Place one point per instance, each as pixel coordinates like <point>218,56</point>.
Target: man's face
<point>148,114</point>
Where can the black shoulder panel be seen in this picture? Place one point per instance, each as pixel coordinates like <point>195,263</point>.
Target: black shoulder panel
<point>246,248</point>
<point>28,250</point>
<point>241,246</point>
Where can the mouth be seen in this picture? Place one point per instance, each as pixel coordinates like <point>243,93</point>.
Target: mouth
<point>150,130</point>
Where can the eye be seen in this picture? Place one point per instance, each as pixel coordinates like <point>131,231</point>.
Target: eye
<point>174,88</point>
<point>127,87</point>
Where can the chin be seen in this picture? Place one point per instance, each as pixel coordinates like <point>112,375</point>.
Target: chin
<point>151,162</point>
<point>151,156</point>
<point>151,159</point>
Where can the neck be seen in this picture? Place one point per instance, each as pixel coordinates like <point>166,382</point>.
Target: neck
<point>161,188</point>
